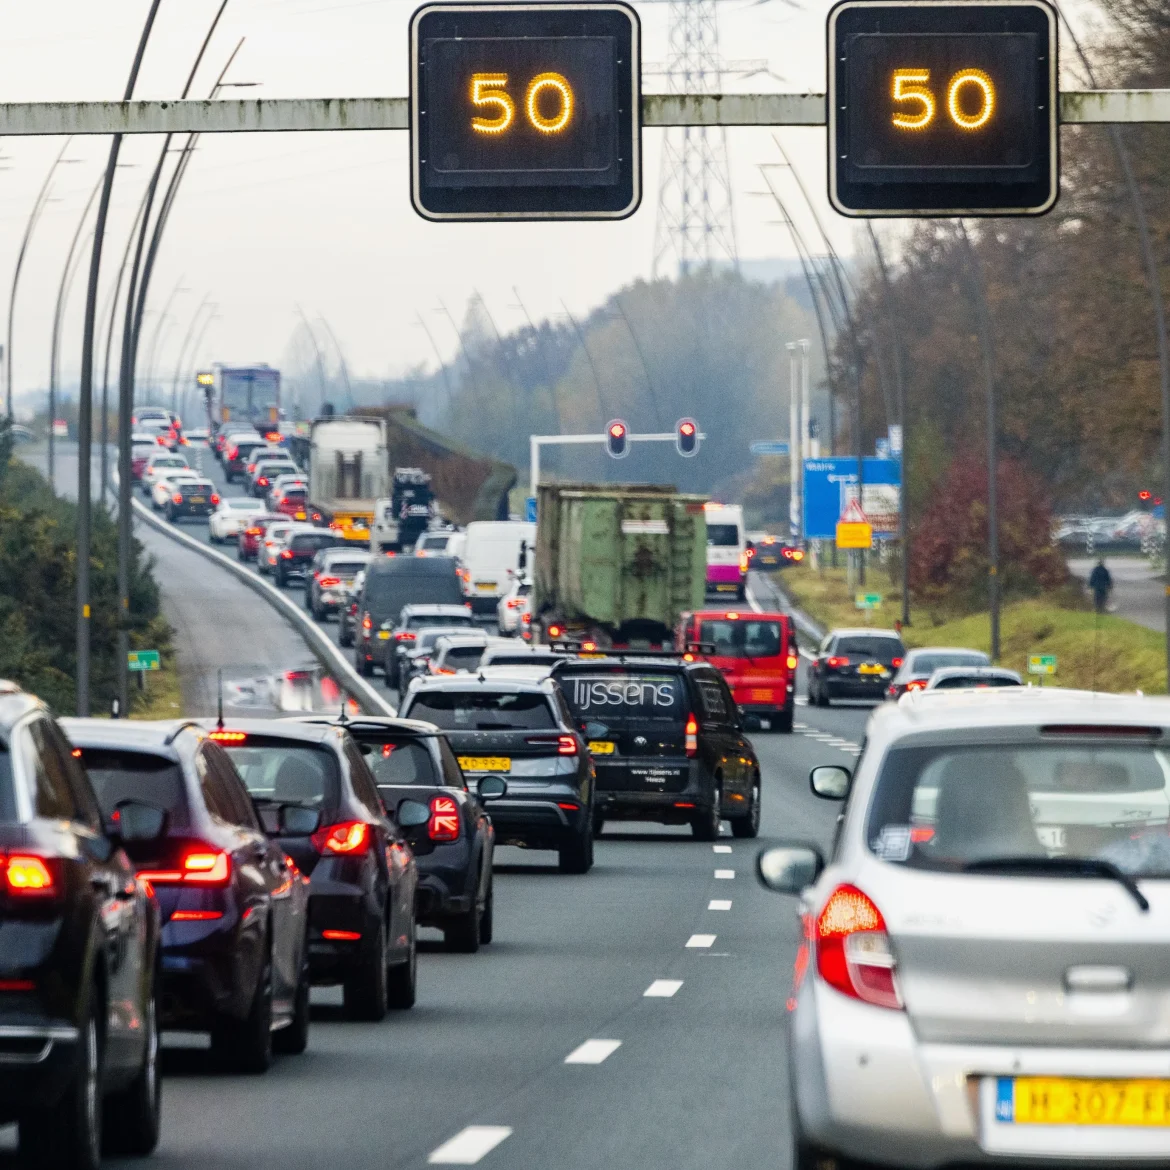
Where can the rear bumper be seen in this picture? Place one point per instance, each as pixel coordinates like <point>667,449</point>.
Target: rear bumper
<point>37,1061</point>
<point>855,688</point>
<point>446,882</point>
<point>483,602</point>
<point>624,797</point>
<point>202,977</point>
<point>538,823</point>
<point>339,906</point>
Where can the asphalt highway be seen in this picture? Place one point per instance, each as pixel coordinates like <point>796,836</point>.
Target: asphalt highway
<point>630,1017</point>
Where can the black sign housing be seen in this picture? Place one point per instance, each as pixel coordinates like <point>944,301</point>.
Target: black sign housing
<point>939,108</point>
<point>525,111</point>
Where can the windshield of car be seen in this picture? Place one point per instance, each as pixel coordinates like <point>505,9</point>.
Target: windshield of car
<point>929,663</point>
<point>7,791</point>
<point>955,681</point>
<point>742,639</point>
<point>484,710</point>
<point>625,696</point>
<point>946,808</point>
<point>288,773</point>
<point>117,775</point>
<point>432,543</point>
<point>403,762</point>
<point>169,461</point>
<point>723,535</point>
<point>875,649</point>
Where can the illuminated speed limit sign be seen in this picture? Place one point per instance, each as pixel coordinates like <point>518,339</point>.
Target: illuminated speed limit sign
<point>525,111</point>
<point>943,109</point>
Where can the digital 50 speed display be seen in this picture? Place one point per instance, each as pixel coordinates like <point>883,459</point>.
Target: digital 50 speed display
<point>943,108</point>
<point>525,111</point>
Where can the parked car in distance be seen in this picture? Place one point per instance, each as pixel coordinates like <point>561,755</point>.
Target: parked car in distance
<point>854,664</point>
<point>79,1009</point>
<point>234,907</point>
<point>950,678</point>
<point>362,873</point>
<point>412,760</point>
<point>915,669</point>
<point>404,632</point>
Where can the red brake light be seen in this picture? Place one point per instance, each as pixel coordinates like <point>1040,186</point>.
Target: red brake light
<point>406,636</point>
<point>341,935</point>
<point>196,915</point>
<point>251,468</point>
<point>328,582</point>
<point>350,837</point>
<point>554,631</point>
<point>221,736</point>
<point>916,684</point>
<point>287,554</point>
<point>214,498</point>
<point>366,623</point>
<point>26,876</point>
<point>692,734</point>
<point>262,481</point>
<point>444,822</point>
<point>853,949</point>
<point>744,561</point>
<point>835,662</point>
<point>207,868</point>
<point>250,531</point>
<point>896,663</point>
<point>176,498</point>
<point>234,453</point>
<point>566,745</point>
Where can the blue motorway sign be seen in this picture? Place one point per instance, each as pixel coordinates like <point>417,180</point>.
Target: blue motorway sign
<point>770,447</point>
<point>530,509</point>
<point>829,485</point>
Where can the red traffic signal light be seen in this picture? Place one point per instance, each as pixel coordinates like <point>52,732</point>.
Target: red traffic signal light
<point>617,439</point>
<point>1143,496</point>
<point>686,437</point>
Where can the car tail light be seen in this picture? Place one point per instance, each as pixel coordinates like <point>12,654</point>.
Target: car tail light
<point>405,636</point>
<point>328,582</point>
<point>916,684</point>
<point>196,915</point>
<point>341,935</point>
<point>367,624</point>
<point>744,561</point>
<point>853,949</point>
<point>568,806</point>
<point>349,837</point>
<point>262,481</point>
<point>28,876</point>
<point>214,498</point>
<point>792,662</point>
<point>207,868</point>
<point>692,733</point>
<point>444,822</point>
<point>834,663</point>
<point>566,745</point>
<point>176,498</point>
<point>895,663</point>
<point>221,736</point>
<point>555,631</point>
<point>234,453</point>
<point>893,691</point>
<point>514,603</point>
<point>253,531</point>
<point>251,468</point>
<point>287,554</point>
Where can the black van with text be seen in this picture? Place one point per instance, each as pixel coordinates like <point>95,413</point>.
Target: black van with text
<point>666,740</point>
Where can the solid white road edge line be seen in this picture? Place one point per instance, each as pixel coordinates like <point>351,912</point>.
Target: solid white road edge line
<point>721,848</point>
<point>662,989</point>
<point>719,904</point>
<point>469,1145</point>
<point>701,940</point>
<point>593,1052</point>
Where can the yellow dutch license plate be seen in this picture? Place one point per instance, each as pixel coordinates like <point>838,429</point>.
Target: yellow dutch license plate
<point>299,516</point>
<point>384,635</point>
<point>485,763</point>
<point>485,586</point>
<point>1069,1101</point>
<point>601,747</point>
<point>197,500</point>
<point>870,668</point>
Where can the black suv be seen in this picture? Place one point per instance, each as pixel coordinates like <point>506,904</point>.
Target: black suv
<point>404,632</point>
<point>362,874</point>
<point>79,957</point>
<point>234,906</point>
<point>302,547</point>
<point>521,731</point>
<point>390,583</point>
<point>412,760</point>
<point>854,664</point>
<point>667,742</point>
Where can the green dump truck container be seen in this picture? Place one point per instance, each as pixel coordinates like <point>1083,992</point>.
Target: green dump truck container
<point>617,563</point>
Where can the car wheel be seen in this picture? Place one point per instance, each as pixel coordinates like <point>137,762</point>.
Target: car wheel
<point>280,578</point>
<point>131,1122</point>
<point>461,931</point>
<point>749,826</point>
<point>402,980</point>
<point>294,1039</point>
<point>246,1045</point>
<point>487,918</point>
<point>365,989</point>
<point>69,1135</point>
<point>577,856</point>
<point>343,637</point>
<point>705,824</point>
<point>364,668</point>
<point>598,825</point>
<point>782,721</point>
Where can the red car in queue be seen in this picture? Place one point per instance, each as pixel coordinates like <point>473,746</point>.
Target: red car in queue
<point>755,652</point>
<point>249,539</point>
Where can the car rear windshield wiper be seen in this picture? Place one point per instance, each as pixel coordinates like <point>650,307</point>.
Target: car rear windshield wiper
<point>494,727</point>
<point>1087,867</point>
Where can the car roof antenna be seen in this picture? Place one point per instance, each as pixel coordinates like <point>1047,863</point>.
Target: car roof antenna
<point>343,718</point>
<point>219,702</point>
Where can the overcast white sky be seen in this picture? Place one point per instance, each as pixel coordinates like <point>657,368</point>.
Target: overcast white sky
<point>270,223</point>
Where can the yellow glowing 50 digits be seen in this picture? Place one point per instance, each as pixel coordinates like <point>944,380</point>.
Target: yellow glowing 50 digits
<point>488,89</point>
<point>910,85</point>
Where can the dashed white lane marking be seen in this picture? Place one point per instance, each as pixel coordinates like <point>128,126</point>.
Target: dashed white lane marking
<point>721,848</point>
<point>801,701</point>
<point>662,989</point>
<point>593,1052</point>
<point>800,726</point>
<point>719,904</point>
<point>725,875</point>
<point>469,1145</point>
<point>701,940</point>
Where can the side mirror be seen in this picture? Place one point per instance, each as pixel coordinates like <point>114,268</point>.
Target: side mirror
<point>788,869</point>
<point>295,820</point>
<point>491,787</point>
<point>135,821</point>
<point>830,782</point>
<point>412,813</point>
<point>595,730</point>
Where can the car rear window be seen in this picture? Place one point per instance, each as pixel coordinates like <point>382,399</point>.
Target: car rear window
<point>117,775</point>
<point>346,568</point>
<point>723,535</point>
<point>876,649</point>
<point>288,773</point>
<point>946,808</point>
<point>418,621</point>
<point>955,681</point>
<point>405,761</point>
<point>626,696</point>
<point>929,663</point>
<point>433,542</point>
<point>483,710</point>
<point>742,639</point>
<point>523,660</point>
<point>463,657</point>
<point>307,541</point>
<point>7,791</point>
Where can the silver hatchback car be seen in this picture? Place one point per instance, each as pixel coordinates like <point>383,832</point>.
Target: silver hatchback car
<point>985,972</point>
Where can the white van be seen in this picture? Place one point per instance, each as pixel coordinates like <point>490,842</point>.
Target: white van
<point>491,556</point>
<point>727,560</point>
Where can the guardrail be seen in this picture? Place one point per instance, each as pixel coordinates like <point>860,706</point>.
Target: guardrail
<point>322,648</point>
